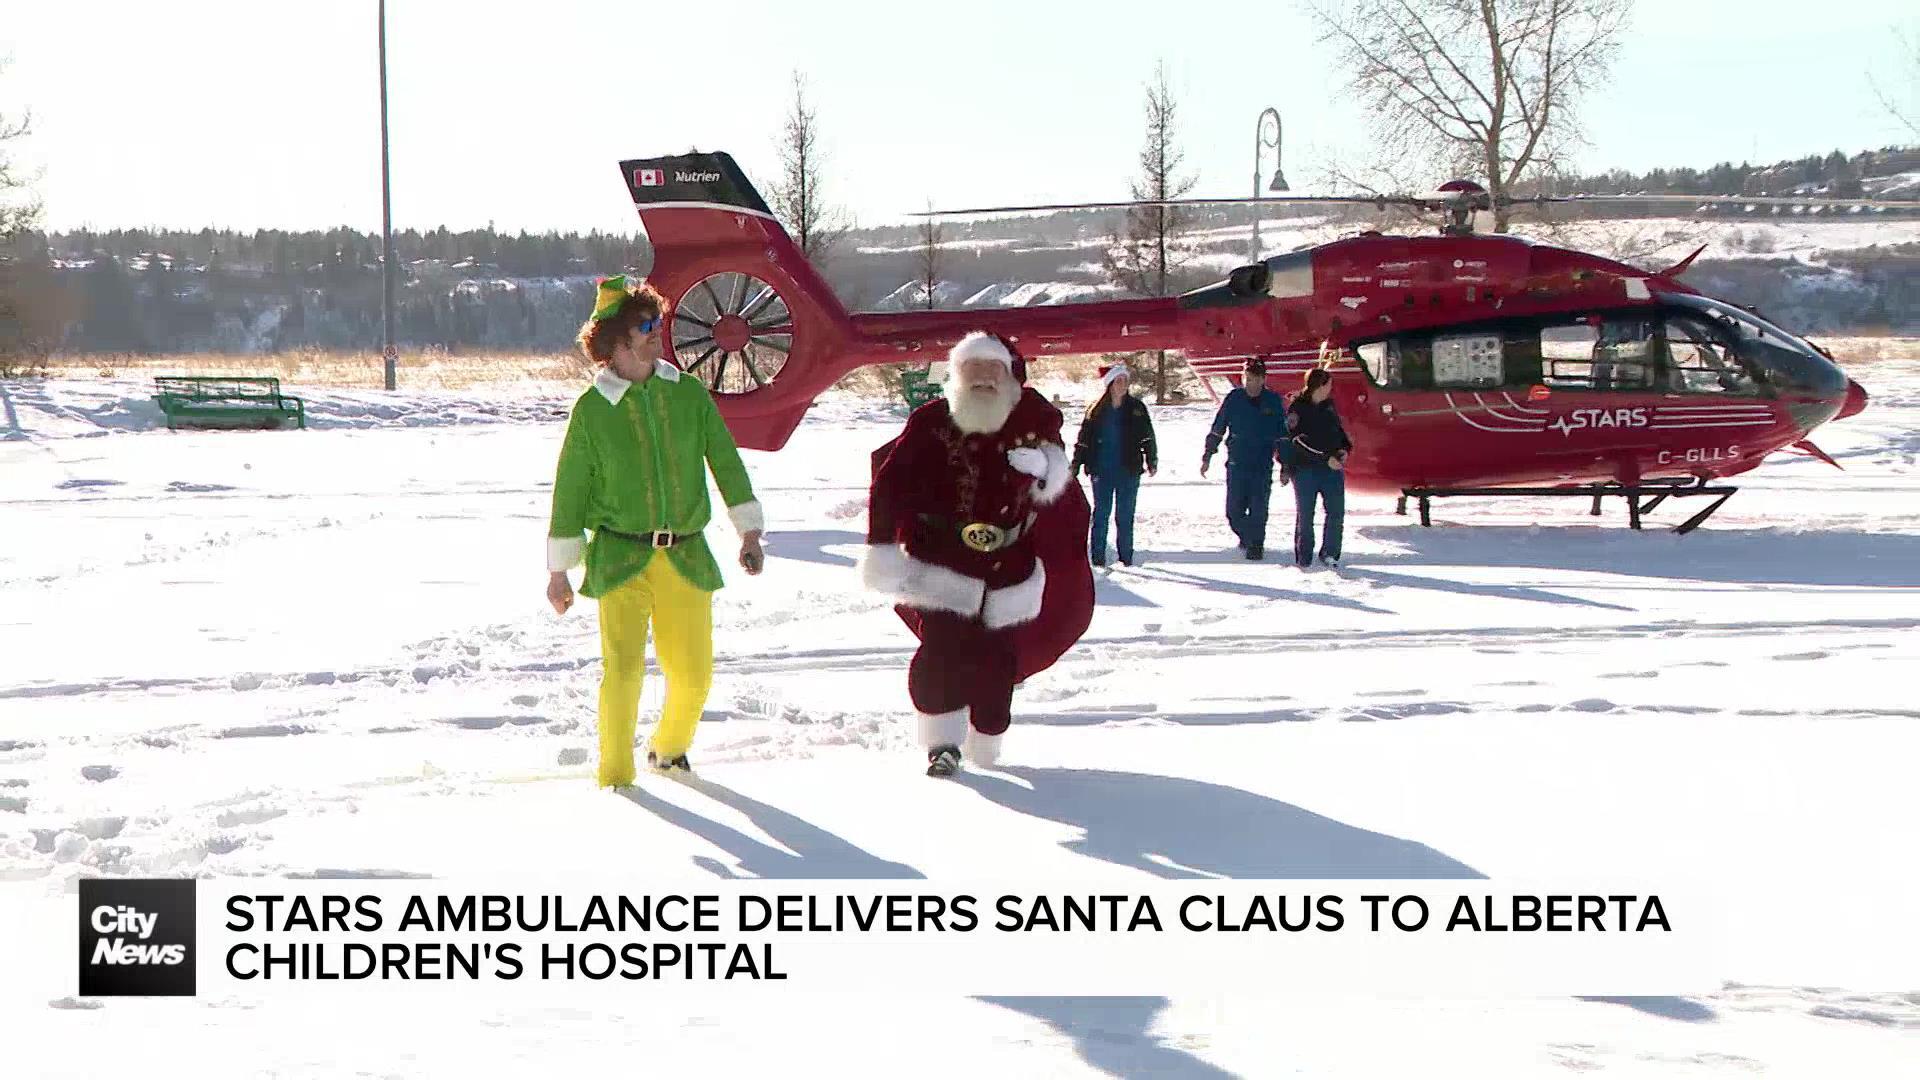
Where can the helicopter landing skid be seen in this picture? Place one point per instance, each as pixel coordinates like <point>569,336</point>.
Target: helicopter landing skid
<point>1655,494</point>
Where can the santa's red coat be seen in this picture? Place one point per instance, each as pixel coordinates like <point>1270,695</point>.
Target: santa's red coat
<point>933,478</point>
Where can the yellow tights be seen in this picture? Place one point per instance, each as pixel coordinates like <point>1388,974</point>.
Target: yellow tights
<point>681,617</point>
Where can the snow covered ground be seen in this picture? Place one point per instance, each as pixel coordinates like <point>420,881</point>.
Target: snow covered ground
<point>230,654</point>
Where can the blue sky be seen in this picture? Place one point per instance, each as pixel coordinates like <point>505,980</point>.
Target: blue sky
<point>258,115</point>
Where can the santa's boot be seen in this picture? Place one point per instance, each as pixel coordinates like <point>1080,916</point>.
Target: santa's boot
<point>941,734</point>
<point>943,761</point>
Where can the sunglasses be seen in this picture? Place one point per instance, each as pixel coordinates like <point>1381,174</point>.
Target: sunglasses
<point>648,326</point>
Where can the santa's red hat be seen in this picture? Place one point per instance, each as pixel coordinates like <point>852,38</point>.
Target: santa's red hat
<point>1110,372</point>
<point>980,345</point>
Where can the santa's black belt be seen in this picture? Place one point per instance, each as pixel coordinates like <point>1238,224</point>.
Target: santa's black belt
<point>660,539</point>
<point>981,536</point>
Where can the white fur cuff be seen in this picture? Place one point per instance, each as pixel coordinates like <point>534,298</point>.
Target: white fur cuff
<point>888,569</point>
<point>981,749</point>
<point>1055,481</point>
<point>883,568</point>
<point>565,552</point>
<point>748,517</point>
<point>943,729</point>
<point>1016,604</point>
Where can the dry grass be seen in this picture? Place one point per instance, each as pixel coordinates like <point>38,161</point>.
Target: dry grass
<point>429,369</point>
<point>1866,351</point>
<point>437,369</point>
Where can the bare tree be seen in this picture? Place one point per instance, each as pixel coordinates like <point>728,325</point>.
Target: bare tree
<point>1146,255</point>
<point>797,196</point>
<point>1904,107</point>
<point>930,256</point>
<point>30,315</point>
<point>19,209</point>
<point>1484,88</point>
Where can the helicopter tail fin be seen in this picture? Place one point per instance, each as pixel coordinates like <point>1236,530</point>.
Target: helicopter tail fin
<point>750,316</point>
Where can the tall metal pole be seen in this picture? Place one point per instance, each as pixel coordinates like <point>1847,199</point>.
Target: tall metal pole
<point>1260,143</point>
<point>386,211</point>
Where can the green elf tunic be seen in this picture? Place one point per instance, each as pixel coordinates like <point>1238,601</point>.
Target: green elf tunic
<point>632,463</point>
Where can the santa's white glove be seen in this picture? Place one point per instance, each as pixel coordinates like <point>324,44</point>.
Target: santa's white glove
<point>1028,460</point>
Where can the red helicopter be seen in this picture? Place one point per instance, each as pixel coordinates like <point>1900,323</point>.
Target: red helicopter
<point>1464,363</point>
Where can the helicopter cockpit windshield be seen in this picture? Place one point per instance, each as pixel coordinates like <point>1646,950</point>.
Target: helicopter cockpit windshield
<point>1788,362</point>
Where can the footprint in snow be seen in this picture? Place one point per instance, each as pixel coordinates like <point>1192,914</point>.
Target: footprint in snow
<point>489,723</point>
<point>185,487</point>
<point>1592,705</point>
<point>235,818</point>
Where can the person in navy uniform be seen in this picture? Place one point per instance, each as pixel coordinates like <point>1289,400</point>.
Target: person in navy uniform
<point>1253,420</point>
<point>1115,446</point>
<point>1319,446</point>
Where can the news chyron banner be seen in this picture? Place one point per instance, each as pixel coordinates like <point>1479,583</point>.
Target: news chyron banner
<point>264,937</point>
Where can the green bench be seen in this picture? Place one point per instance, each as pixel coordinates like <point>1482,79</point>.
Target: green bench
<point>225,401</point>
<point>916,389</point>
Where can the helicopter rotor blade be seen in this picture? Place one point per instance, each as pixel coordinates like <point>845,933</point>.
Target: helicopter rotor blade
<point>1357,200</point>
<point>1435,201</point>
<point>1678,200</point>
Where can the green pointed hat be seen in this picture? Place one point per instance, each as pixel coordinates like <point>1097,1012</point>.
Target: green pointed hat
<point>612,293</point>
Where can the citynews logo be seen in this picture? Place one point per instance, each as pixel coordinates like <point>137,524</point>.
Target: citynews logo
<point>137,937</point>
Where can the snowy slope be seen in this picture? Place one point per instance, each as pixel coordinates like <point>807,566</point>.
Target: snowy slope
<point>224,654</point>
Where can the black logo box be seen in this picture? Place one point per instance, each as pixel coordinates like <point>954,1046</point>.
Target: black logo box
<point>171,903</point>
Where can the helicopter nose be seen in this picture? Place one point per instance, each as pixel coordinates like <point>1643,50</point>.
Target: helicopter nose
<point>1856,400</point>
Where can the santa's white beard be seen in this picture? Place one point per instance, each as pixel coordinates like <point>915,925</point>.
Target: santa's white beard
<point>980,412</point>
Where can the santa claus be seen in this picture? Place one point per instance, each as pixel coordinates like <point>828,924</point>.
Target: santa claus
<point>978,533</point>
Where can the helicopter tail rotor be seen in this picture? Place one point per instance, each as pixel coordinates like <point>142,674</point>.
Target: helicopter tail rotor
<point>750,317</point>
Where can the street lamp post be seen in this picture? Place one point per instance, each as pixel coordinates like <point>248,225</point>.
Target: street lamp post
<point>386,212</point>
<point>1260,143</point>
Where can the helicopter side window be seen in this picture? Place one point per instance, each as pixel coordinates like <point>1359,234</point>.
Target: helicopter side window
<point>1699,363</point>
<point>1404,363</point>
<point>1626,355</point>
<point>1600,354</point>
<point>1381,361</point>
<point>1566,355</point>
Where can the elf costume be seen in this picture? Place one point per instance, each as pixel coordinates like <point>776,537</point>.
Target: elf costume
<point>632,471</point>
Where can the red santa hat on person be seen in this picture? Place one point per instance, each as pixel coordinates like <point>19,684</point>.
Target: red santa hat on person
<point>980,345</point>
<point>1111,372</point>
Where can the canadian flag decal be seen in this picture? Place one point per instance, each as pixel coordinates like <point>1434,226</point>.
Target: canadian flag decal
<point>649,177</point>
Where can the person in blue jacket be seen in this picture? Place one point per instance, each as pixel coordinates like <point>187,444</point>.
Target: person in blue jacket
<point>1253,420</point>
<point>1319,457</point>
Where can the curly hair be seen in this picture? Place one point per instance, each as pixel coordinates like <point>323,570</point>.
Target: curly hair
<point>599,337</point>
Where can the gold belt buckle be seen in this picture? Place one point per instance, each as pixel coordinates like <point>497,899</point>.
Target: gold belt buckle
<point>981,536</point>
